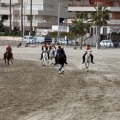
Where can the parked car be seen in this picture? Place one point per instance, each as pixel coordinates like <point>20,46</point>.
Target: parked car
<point>38,40</point>
<point>106,43</point>
<point>63,41</point>
<point>28,39</point>
<point>47,39</point>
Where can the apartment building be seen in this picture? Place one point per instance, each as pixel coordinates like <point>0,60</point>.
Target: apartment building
<point>44,13</point>
<point>88,6</point>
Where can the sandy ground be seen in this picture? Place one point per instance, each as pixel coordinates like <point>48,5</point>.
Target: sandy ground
<point>31,91</point>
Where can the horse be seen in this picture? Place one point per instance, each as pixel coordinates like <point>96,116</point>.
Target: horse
<point>8,57</point>
<point>45,56</point>
<point>87,60</point>
<point>52,52</point>
<point>61,61</point>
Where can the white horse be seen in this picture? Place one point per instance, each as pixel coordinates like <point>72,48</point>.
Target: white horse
<point>87,60</point>
<point>45,56</point>
<point>52,53</point>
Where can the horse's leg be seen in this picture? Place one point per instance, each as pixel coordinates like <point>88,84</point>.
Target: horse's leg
<point>11,61</point>
<point>50,60</point>
<point>47,61</point>
<point>5,60</point>
<point>60,67</point>
<point>85,66</point>
<point>8,61</point>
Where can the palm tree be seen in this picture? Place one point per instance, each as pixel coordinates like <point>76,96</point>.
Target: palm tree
<point>100,18</point>
<point>80,26</point>
<point>74,30</point>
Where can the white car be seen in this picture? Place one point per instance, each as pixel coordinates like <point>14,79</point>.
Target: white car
<point>38,40</point>
<point>29,39</point>
<point>106,43</point>
<point>63,41</point>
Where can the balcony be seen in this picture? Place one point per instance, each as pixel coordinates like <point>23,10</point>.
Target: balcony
<point>4,10</point>
<point>13,1</point>
<point>80,8</point>
<point>114,22</point>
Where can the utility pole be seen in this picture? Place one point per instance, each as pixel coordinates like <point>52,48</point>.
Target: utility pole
<point>10,16</point>
<point>58,33</point>
<point>21,18</point>
<point>31,30</point>
<point>97,27</point>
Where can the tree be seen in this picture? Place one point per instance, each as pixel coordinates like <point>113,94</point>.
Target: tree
<point>80,26</point>
<point>1,26</point>
<point>100,18</point>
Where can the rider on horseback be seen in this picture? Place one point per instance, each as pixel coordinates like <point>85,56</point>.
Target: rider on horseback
<point>88,48</point>
<point>46,47</point>
<point>57,52</point>
<point>8,49</point>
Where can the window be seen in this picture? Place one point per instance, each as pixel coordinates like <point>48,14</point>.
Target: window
<point>4,17</point>
<point>105,31</point>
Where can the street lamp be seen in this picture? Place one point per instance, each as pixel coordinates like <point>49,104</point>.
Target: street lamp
<point>58,33</point>
<point>97,30</point>
<point>63,22</point>
<point>44,24</point>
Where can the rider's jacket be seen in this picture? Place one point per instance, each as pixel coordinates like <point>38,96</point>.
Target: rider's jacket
<point>8,48</point>
<point>45,47</point>
<point>88,48</point>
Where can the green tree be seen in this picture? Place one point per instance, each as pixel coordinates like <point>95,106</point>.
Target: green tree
<point>80,26</point>
<point>100,18</point>
<point>1,26</point>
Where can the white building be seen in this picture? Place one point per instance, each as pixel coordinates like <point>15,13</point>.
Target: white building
<point>44,13</point>
<point>112,5</point>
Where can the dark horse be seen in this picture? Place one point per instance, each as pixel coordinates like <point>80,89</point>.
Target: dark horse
<point>61,60</point>
<point>8,57</point>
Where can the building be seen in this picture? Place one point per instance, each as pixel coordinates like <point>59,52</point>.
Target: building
<point>44,13</point>
<point>88,6</point>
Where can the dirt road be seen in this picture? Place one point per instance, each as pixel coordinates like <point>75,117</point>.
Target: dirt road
<point>31,91</point>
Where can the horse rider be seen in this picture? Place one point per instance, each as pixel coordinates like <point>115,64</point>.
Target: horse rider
<point>57,52</point>
<point>88,48</point>
<point>8,49</point>
<point>54,48</point>
<point>46,47</point>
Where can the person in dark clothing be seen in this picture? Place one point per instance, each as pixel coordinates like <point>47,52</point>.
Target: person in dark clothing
<point>63,52</point>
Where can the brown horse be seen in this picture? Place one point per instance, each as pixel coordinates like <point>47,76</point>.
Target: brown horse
<point>8,57</point>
